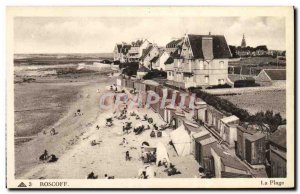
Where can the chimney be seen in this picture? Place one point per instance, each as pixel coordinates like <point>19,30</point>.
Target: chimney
<point>209,33</point>
<point>207,48</point>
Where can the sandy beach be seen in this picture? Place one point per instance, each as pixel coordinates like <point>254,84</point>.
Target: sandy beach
<point>67,128</point>
<point>77,158</point>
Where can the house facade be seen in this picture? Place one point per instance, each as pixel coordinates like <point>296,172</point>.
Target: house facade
<point>148,54</point>
<point>136,50</point>
<point>117,52</point>
<point>203,61</point>
<point>121,52</point>
<point>268,77</point>
<point>250,145</point>
<point>158,62</point>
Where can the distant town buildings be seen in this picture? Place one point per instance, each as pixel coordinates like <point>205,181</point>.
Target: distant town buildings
<point>130,52</point>
<point>199,60</point>
<point>246,51</point>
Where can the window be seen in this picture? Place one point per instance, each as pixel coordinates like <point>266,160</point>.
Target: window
<point>206,79</point>
<point>221,64</point>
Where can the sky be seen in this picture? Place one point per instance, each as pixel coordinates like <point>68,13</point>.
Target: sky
<point>99,35</point>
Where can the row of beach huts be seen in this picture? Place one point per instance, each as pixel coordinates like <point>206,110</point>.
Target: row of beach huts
<point>219,142</point>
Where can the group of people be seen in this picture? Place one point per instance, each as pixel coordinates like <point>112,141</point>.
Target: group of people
<point>92,175</point>
<point>146,172</point>
<point>45,157</point>
<point>78,113</point>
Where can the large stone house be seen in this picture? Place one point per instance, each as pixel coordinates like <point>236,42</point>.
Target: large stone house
<point>203,61</point>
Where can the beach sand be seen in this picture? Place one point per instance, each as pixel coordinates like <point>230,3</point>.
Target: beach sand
<point>63,120</point>
<point>77,158</point>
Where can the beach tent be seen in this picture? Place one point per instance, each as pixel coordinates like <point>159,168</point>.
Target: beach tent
<point>181,141</point>
<point>161,153</point>
<point>150,173</point>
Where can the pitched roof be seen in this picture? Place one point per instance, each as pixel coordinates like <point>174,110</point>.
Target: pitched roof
<point>228,160</point>
<point>151,82</point>
<point>125,48</point>
<point>174,43</point>
<point>220,47</point>
<point>201,134</point>
<point>276,74</point>
<point>230,119</point>
<point>154,59</point>
<point>176,53</point>
<point>256,136</point>
<point>146,51</point>
<point>137,43</point>
<point>143,69</point>
<point>170,60</point>
<point>207,141</point>
<point>248,130</point>
<point>279,136</point>
<point>119,47</point>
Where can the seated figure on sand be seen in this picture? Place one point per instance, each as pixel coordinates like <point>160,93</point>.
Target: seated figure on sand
<point>92,176</point>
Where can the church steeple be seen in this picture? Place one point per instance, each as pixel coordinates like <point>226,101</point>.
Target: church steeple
<point>243,44</point>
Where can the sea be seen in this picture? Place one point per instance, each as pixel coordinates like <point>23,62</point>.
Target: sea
<point>49,64</point>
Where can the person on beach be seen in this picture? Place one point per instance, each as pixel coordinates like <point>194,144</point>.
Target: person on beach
<point>53,158</point>
<point>152,134</point>
<point>44,156</point>
<point>124,141</point>
<point>108,177</point>
<point>92,176</point>
<point>52,131</point>
<point>127,156</point>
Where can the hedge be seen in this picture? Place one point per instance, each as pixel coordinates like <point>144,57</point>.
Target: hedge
<point>260,118</point>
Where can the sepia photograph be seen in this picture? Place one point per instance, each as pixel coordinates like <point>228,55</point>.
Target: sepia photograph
<point>150,97</point>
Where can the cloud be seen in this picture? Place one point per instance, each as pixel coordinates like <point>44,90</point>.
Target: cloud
<point>75,35</point>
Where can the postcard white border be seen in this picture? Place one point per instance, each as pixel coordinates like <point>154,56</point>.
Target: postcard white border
<point>167,11</point>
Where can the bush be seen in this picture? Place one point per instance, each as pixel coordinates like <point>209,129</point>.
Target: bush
<point>155,74</point>
<point>260,118</point>
<point>222,104</point>
<point>245,83</point>
<point>268,117</point>
<point>106,61</point>
<point>192,89</point>
<point>130,69</point>
<point>219,86</point>
<point>116,62</point>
